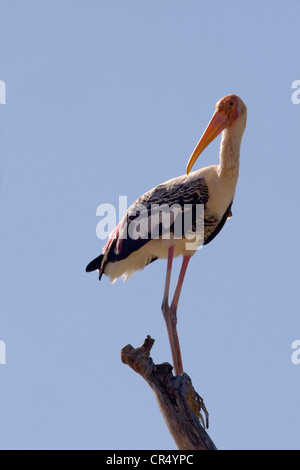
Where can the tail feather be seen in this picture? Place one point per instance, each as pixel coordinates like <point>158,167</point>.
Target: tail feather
<point>95,264</point>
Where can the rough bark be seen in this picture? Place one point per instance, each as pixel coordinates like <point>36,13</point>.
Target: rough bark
<point>180,404</point>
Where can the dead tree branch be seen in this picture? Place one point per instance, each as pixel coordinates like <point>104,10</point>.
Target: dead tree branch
<point>179,403</point>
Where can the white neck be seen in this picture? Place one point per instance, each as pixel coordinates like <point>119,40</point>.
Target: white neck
<point>230,152</point>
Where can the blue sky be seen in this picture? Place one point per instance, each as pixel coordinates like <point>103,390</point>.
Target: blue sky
<point>107,99</point>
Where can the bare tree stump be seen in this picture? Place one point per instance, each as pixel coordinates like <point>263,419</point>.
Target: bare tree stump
<point>179,403</point>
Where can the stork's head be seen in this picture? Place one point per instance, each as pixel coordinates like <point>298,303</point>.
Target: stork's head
<point>231,112</point>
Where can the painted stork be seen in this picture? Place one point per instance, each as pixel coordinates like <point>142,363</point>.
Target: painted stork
<point>212,187</point>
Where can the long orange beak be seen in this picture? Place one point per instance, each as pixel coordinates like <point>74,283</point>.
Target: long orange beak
<point>217,124</point>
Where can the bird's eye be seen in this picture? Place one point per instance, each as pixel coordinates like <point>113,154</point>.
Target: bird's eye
<point>231,103</point>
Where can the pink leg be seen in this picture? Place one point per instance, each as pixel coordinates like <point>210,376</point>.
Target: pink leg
<point>170,314</point>
<point>165,304</point>
<point>177,292</point>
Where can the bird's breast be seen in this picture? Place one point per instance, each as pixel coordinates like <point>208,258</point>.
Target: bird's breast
<point>220,190</point>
